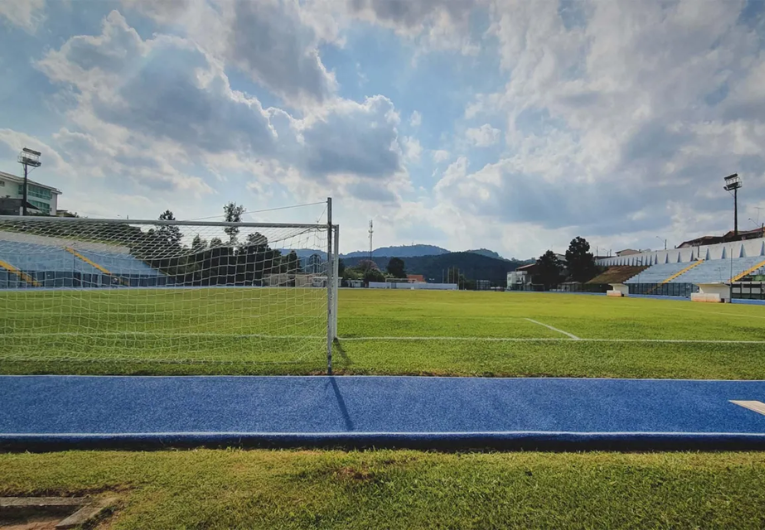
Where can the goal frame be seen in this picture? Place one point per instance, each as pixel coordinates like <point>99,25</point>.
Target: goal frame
<point>333,247</point>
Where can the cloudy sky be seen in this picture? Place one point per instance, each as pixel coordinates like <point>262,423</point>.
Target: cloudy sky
<point>511,125</point>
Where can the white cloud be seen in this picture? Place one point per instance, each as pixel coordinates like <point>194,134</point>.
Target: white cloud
<point>431,24</point>
<point>441,155</point>
<point>483,136</point>
<point>412,149</point>
<point>149,109</point>
<point>273,41</point>
<point>619,118</point>
<point>27,14</point>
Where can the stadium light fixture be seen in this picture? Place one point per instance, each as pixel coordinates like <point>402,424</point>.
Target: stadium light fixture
<point>28,158</point>
<point>733,183</point>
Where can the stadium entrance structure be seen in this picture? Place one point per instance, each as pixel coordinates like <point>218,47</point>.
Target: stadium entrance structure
<point>146,291</point>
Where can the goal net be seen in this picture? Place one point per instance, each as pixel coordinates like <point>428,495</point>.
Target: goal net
<point>165,291</point>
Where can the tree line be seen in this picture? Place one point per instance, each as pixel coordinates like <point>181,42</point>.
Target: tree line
<point>579,266</point>
<point>214,262</point>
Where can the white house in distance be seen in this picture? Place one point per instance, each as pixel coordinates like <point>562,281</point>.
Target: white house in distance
<point>41,196</point>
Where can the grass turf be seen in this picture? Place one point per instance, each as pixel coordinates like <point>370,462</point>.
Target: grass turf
<point>403,489</point>
<point>218,331</point>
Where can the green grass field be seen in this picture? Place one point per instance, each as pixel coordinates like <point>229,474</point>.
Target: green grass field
<point>251,331</point>
<point>403,489</point>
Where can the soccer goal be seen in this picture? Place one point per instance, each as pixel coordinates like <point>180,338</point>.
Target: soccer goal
<point>116,290</point>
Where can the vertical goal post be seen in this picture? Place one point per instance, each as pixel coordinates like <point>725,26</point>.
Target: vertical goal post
<point>143,291</point>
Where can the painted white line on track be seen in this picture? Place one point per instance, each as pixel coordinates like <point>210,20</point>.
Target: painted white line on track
<point>360,434</point>
<point>756,406</point>
<point>554,329</point>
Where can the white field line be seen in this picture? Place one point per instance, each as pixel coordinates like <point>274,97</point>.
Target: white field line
<point>554,329</point>
<point>378,338</point>
<point>548,339</point>
<point>737,315</point>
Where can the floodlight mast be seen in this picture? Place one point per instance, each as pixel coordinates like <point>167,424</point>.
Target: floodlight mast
<point>27,158</point>
<point>733,183</point>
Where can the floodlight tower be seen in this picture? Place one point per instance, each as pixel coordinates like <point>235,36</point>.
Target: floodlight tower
<point>371,231</point>
<point>28,158</point>
<point>733,183</point>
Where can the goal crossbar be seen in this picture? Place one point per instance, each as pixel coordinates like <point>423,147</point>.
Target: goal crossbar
<point>159,222</point>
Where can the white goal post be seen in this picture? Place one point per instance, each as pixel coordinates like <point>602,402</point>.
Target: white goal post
<point>145,291</point>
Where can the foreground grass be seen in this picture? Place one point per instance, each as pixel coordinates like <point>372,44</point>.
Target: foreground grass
<point>404,489</point>
<point>209,324</point>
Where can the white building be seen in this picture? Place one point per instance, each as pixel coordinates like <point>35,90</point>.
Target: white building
<point>42,197</point>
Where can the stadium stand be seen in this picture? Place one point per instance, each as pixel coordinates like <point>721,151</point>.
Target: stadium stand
<point>618,274</point>
<point>120,264</point>
<point>27,265</point>
<point>718,270</point>
<point>657,273</point>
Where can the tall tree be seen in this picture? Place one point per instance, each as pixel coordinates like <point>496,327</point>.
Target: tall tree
<point>169,234</point>
<point>233,213</point>
<point>548,269</point>
<point>198,244</point>
<point>216,242</point>
<point>367,265</point>
<point>340,267</point>
<point>580,261</point>
<point>396,268</point>
<point>373,275</point>
<point>257,239</point>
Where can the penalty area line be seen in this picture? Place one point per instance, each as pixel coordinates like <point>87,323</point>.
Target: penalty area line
<point>571,335</point>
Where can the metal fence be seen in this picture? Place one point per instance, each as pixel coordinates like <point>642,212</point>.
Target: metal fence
<point>683,290</point>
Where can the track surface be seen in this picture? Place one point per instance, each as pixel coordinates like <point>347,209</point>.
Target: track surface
<point>62,412</point>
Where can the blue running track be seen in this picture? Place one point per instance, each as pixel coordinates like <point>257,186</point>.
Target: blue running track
<point>66,412</point>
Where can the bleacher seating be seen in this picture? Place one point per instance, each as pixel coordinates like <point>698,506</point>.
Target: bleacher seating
<point>658,273</point>
<point>121,264</point>
<point>33,258</point>
<point>718,270</point>
<point>54,266</point>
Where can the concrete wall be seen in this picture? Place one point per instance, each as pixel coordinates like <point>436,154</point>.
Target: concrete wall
<point>737,249</point>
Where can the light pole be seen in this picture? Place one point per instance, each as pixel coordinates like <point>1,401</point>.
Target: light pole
<point>27,158</point>
<point>733,183</point>
<point>665,241</point>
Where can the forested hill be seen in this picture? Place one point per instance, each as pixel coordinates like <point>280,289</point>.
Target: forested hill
<point>403,251</point>
<point>473,266</point>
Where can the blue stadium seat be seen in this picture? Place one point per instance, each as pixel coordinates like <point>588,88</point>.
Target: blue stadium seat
<point>121,264</point>
<point>718,270</point>
<point>658,273</point>
<point>54,266</point>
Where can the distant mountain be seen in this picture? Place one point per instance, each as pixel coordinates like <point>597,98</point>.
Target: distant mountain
<point>303,253</point>
<point>473,266</point>
<point>486,252</point>
<point>402,251</point>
